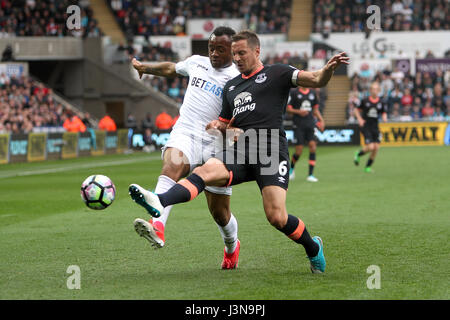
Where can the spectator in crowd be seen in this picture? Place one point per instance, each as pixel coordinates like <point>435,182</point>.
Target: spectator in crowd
<point>107,123</point>
<point>407,98</point>
<point>44,18</point>
<point>147,122</point>
<point>415,113</point>
<point>28,106</point>
<point>164,121</point>
<point>131,122</point>
<point>169,17</point>
<point>89,128</point>
<point>414,98</point>
<point>397,15</point>
<point>148,127</point>
<point>427,110</point>
<point>7,54</point>
<point>73,123</point>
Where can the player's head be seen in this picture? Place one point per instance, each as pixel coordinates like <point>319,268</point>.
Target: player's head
<point>219,47</point>
<point>246,49</point>
<point>374,89</point>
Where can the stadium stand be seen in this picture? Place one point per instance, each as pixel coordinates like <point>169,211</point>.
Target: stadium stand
<point>151,17</point>
<point>407,15</point>
<point>44,18</point>
<point>27,105</point>
<point>422,97</point>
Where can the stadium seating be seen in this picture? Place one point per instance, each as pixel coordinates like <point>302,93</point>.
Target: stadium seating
<point>408,98</point>
<point>26,105</point>
<point>44,18</point>
<point>422,97</point>
<point>149,18</point>
<point>397,15</point>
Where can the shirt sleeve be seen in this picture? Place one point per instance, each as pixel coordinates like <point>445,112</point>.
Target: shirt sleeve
<point>226,113</point>
<point>315,100</point>
<point>359,103</point>
<point>287,74</point>
<point>182,67</point>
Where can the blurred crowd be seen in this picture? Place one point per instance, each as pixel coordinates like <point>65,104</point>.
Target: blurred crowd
<point>44,18</point>
<point>396,15</point>
<point>425,96</point>
<point>28,106</point>
<point>169,17</point>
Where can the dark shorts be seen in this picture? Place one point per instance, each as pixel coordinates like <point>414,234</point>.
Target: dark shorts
<point>258,164</point>
<point>371,133</point>
<point>304,134</point>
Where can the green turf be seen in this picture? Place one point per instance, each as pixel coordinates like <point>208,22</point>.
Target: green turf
<point>396,218</point>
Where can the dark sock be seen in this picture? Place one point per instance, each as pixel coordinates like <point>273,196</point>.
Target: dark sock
<point>184,191</point>
<point>312,163</point>
<point>295,229</point>
<point>361,153</point>
<point>294,159</point>
<point>369,163</point>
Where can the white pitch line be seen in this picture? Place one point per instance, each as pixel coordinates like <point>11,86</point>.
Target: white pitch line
<point>75,167</point>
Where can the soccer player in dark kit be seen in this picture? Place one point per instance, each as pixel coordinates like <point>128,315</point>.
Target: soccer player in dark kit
<point>253,104</point>
<point>367,113</point>
<point>304,107</point>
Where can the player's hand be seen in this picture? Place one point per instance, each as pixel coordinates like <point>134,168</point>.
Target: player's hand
<point>320,126</point>
<point>336,61</point>
<point>138,66</point>
<point>216,127</point>
<point>361,123</point>
<point>233,133</point>
<point>303,113</point>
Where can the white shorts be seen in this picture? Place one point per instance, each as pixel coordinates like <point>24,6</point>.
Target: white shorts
<point>197,148</point>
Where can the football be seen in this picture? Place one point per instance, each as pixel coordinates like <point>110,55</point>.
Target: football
<point>98,192</point>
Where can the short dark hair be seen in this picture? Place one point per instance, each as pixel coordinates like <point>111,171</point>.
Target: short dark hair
<point>223,31</point>
<point>250,36</point>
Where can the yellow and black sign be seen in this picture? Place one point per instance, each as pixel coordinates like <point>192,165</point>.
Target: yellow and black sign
<point>99,143</point>
<point>4,143</point>
<point>122,140</point>
<point>412,134</point>
<point>36,146</point>
<point>70,145</point>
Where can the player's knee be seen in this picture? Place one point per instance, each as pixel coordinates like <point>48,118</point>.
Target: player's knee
<point>174,171</point>
<point>206,171</point>
<point>276,217</point>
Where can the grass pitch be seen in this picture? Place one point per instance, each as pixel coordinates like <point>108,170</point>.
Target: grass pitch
<point>396,218</point>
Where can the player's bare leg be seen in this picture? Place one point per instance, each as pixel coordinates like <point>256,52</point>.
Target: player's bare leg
<point>358,154</point>
<point>219,206</point>
<point>297,154</point>
<point>373,153</point>
<point>274,202</point>
<point>312,145</point>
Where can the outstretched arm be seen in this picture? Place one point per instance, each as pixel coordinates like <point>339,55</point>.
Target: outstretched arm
<point>320,78</point>
<point>162,69</point>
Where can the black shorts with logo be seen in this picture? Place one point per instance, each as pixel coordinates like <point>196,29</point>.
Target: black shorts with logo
<point>255,163</point>
<point>304,134</point>
<point>371,133</point>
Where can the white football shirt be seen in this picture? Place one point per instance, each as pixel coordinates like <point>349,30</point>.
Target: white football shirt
<point>203,98</point>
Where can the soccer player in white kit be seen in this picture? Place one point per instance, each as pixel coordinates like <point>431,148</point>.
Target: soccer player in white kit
<point>189,144</point>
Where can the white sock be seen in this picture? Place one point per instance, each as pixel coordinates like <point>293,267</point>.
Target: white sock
<point>229,234</point>
<point>163,185</point>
